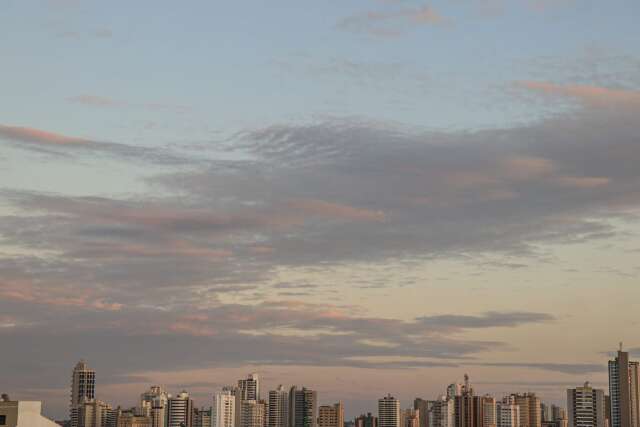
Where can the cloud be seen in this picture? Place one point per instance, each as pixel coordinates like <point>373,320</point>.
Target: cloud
<point>487,320</point>
<point>98,101</point>
<point>564,368</point>
<point>53,143</point>
<point>37,136</point>
<point>391,23</point>
<point>591,96</point>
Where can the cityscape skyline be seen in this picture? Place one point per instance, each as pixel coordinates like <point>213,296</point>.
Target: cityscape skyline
<point>586,406</point>
<point>361,196</point>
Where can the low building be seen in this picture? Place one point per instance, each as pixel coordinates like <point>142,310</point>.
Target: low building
<point>23,414</point>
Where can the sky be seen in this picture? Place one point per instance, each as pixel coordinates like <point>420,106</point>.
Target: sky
<point>360,196</point>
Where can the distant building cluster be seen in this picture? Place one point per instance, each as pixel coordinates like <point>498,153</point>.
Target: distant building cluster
<point>243,405</point>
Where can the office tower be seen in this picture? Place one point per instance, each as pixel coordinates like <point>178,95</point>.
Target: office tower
<point>488,411</point>
<point>530,412</point>
<point>454,390</point>
<point>367,420</point>
<point>558,413</point>
<point>223,412</point>
<point>180,411</point>
<point>467,408</point>
<point>586,406</point>
<point>249,388</point>
<point>303,407</point>
<point>154,404</point>
<point>252,413</point>
<point>278,408</point>
<point>623,391</point>
<point>423,406</point>
<point>331,415</point>
<point>410,418</point>
<point>83,387</point>
<point>94,413</point>
<point>202,417</point>
<point>545,412</point>
<point>507,413</point>
<point>388,412</point>
<point>441,413</point>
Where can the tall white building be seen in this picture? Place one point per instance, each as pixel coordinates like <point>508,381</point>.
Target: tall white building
<point>180,410</point>
<point>388,412</point>
<point>441,413</point>
<point>224,408</point>
<point>83,387</point>
<point>507,413</point>
<point>586,407</point>
<point>154,404</point>
<point>278,407</point>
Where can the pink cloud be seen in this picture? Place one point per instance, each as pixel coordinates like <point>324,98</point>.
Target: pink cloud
<point>52,295</point>
<point>32,135</point>
<point>594,96</point>
<point>521,168</point>
<point>336,210</point>
<point>585,182</point>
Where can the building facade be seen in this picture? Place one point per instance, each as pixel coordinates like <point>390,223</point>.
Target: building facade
<point>586,407</point>
<point>180,411</point>
<point>278,415</point>
<point>388,412</point>
<point>623,391</point>
<point>303,407</point>
<point>224,408</point>
<point>331,415</point>
<point>83,387</point>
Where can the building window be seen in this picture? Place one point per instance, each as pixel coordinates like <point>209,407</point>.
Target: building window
<point>3,420</point>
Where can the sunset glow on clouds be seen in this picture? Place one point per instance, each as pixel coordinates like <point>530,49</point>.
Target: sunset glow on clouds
<point>363,197</point>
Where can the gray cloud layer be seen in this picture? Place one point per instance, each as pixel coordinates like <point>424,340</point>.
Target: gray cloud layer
<point>148,276</point>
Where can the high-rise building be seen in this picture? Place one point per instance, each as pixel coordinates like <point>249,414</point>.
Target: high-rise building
<point>507,413</point>
<point>249,388</point>
<point>224,408</point>
<point>252,413</point>
<point>331,415</point>
<point>423,407</point>
<point>303,407</point>
<point>388,412</point>
<point>83,387</point>
<point>278,407</point>
<point>454,390</point>
<point>202,417</point>
<point>441,413</point>
<point>367,420</point>
<point>468,408</point>
<point>558,413</point>
<point>586,407</point>
<point>94,413</point>
<point>154,404</point>
<point>410,418</point>
<point>489,414</point>
<point>180,411</point>
<point>530,410</point>
<point>624,391</point>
